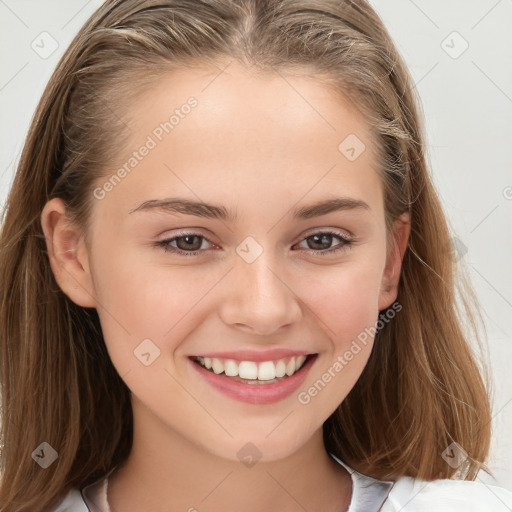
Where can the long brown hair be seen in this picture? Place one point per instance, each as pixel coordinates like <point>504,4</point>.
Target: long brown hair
<point>423,387</point>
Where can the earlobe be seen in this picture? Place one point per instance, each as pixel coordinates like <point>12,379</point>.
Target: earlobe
<point>67,254</point>
<point>391,275</point>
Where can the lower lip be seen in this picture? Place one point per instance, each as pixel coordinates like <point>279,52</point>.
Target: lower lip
<point>256,393</point>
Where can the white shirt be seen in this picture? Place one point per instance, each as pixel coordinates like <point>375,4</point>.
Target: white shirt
<point>368,495</point>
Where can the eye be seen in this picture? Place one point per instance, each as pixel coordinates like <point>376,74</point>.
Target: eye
<point>323,239</point>
<point>187,244</point>
<point>190,244</point>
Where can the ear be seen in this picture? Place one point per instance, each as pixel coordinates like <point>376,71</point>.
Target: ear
<point>67,254</point>
<point>395,254</point>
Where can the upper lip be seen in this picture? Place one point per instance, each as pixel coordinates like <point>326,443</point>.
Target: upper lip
<point>256,355</point>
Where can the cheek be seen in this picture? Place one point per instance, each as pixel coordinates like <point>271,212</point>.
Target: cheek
<point>345,306</point>
<point>344,300</point>
<point>139,301</point>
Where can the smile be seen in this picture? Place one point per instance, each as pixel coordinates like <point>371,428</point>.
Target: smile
<point>262,382</point>
<point>251,370</point>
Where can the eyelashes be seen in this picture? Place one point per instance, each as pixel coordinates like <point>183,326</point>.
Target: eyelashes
<point>345,241</point>
<point>318,237</point>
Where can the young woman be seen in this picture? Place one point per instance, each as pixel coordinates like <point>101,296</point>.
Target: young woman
<point>225,282</point>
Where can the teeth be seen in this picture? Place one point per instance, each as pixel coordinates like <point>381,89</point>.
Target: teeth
<point>267,371</point>
<point>280,369</point>
<point>250,370</point>
<point>247,370</point>
<point>217,366</point>
<point>290,367</point>
<point>230,368</point>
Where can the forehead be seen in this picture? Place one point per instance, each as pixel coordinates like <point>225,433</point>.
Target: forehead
<point>236,135</point>
<point>238,101</point>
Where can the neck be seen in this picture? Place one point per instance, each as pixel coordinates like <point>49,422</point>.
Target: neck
<point>165,471</point>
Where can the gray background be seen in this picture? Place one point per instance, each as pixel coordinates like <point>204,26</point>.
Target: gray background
<point>467,100</point>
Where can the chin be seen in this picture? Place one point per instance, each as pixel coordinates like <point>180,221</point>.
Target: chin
<point>257,449</point>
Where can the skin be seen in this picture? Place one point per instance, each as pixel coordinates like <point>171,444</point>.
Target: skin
<point>262,145</point>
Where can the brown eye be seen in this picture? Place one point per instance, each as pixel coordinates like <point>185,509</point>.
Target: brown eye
<point>187,244</point>
<point>320,243</point>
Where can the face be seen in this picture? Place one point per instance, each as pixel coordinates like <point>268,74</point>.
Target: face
<point>260,273</point>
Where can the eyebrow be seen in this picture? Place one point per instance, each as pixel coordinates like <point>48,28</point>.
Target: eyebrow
<point>201,209</point>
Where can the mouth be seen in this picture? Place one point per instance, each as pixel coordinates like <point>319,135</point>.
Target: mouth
<point>258,383</point>
<point>252,372</point>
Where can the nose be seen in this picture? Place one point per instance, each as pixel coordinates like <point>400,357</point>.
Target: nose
<point>258,297</point>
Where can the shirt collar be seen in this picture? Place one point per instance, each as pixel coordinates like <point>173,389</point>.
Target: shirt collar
<point>368,494</point>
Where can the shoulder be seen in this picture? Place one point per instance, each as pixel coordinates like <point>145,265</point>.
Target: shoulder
<point>72,502</point>
<point>413,495</point>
